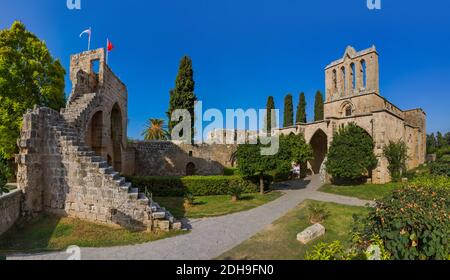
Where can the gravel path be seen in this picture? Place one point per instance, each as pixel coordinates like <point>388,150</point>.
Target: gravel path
<point>211,237</point>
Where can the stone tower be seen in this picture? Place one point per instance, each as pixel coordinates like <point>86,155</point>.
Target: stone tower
<point>355,73</point>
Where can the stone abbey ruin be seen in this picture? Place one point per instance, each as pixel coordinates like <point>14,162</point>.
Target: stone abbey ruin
<point>71,162</point>
<point>353,96</point>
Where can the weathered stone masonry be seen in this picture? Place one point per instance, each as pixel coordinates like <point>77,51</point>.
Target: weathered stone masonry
<point>65,164</point>
<point>9,209</point>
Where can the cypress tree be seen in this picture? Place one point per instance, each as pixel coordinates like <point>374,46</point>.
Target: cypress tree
<point>301,109</point>
<point>268,120</point>
<point>318,107</point>
<point>183,95</point>
<point>288,111</point>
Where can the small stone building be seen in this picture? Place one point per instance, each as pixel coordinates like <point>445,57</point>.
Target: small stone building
<point>353,96</point>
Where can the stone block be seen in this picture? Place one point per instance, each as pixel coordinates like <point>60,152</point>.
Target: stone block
<point>313,232</point>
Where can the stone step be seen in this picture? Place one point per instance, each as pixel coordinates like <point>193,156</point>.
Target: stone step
<point>121,181</point>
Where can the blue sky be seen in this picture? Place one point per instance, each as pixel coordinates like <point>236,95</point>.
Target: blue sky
<point>244,51</point>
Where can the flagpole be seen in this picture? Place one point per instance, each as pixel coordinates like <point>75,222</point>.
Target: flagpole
<point>107,52</point>
<point>89,40</point>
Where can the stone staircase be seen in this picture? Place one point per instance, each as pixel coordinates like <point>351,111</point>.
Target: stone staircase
<point>125,205</point>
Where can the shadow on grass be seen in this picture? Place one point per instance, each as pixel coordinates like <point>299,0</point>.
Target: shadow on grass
<point>292,185</point>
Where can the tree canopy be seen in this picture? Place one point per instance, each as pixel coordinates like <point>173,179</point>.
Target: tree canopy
<point>29,76</point>
<point>351,154</point>
<point>183,95</point>
<point>318,107</point>
<point>301,109</point>
<point>288,111</point>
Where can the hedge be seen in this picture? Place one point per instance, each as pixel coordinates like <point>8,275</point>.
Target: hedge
<point>195,185</point>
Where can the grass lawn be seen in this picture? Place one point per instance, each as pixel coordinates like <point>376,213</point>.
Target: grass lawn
<point>212,206</point>
<point>279,240</point>
<point>367,191</point>
<point>51,233</point>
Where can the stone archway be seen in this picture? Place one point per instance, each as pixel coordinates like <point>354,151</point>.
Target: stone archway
<point>116,137</point>
<point>94,133</point>
<point>319,144</point>
<point>190,169</point>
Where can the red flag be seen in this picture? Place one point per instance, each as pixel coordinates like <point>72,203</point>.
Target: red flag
<point>110,46</point>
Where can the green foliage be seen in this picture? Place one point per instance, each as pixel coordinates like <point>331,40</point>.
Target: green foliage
<point>428,181</point>
<point>183,95</point>
<point>440,168</point>
<point>268,122</point>
<point>396,152</point>
<point>318,212</point>
<point>413,222</point>
<point>288,111</point>
<point>227,171</point>
<point>155,130</point>
<point>351,154</point>
<point>189,199</point>
<point>334,251</point>
<point>195,185</point>
<point>236,191</point>
<point>250,162</point>
<point>301,109</point>
<point>28,76</point>
<point>319,107</point>
<point>4,175</point>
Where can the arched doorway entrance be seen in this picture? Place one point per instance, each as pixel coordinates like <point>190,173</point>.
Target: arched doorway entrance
<point>190,169</point>
<point>94,133</point>
<point>116,137</point>
<point>319,144</point>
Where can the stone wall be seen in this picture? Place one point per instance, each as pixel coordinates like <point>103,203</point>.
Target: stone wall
<point>165,158</point>
<point>9,210</point>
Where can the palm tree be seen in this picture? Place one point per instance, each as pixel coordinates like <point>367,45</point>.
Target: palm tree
<point>155,130</point>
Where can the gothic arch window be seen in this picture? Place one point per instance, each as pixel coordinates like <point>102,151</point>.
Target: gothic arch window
<point>353,75</point>
<point>334,80</point>
<point>344,81</point>
<point>348,110</point>
<point>364,73</point>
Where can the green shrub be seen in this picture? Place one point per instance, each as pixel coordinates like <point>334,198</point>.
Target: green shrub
<point>413,223</point>
<point>318,213</point>
<point>230,171</point>
<point>329,252</point>
<point>4,175</point>
<point>196,185</point>
<point>235,191</point>
<point>440,168</point>
<point>396,154</point>
<point>428,181</point>
<point>280,176</point>
<point>351,155</point>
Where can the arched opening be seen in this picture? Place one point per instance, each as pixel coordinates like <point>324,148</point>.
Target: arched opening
<point>344,81</point>
<point>353,75</point>
<point>94,133</point>
<point>334,80</point>
<point>319,144</point>
<point>348,110</point>
<point>116,137</point>
<point>190,169</point>
<point>363,73</point>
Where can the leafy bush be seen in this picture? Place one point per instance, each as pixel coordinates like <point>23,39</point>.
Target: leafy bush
<point>196,185</point>
<point>228,171</point>
<point>329,252</point>
<point>431,181</point>
<point>413,222</point>
<point>351,155</point>
<point>4,175</point>
<point>280,175</point>
<point>235,191</point>
<point>318,213</point>
<point>396,154</point>
<point>189,199</point>
<point>440,168</point>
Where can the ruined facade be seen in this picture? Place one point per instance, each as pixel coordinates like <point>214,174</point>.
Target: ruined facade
<point>70,161</point>
<point>353,95</point>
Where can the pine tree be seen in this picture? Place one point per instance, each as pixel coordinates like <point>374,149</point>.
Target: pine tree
<point>318,107</point>
<point>268,119</point>
<point>288,111</point>
<point>301,109</point>
<point>183,96</point>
